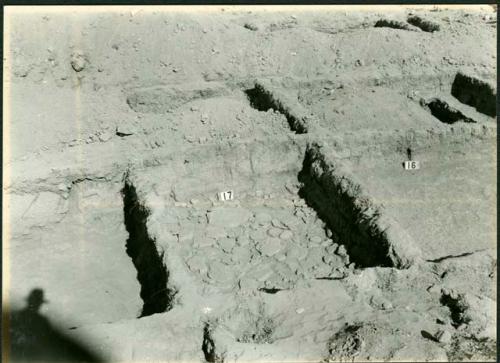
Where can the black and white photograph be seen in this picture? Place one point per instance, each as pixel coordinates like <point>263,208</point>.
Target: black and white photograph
<point>249,183</point>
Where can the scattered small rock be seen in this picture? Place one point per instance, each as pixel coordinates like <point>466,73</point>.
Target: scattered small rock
<point>323,270</point>
<point>286,235</point>
<point>280,256</point>
<point>274,232</point>
<point>78,62</point>
<point>123,131</point>
<point>197,264</point>
<point>104,136</point>
<point>227,244</point>
<point>292,188</point>
<point>219,272</point>
<point>277,223</point>
<point>331,248</point>
<point>315,240</point>
<point>443,336</point>
<point>63,187</point>
<point>333,260</point>
<point>299,202</point>
<point>341,251</point>
<point>270,247</point>
<point>251,26</point>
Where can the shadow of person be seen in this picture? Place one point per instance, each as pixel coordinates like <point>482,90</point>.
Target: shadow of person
<point>33,338</point>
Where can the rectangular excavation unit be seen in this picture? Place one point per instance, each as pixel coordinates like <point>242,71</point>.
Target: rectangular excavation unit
<point>334,199</point>
<point>445,113</point>
<point>475,92</point>
<point>262,99</point>
<point>394,24</point>
<point>152,273</point>
<point>425,25</point>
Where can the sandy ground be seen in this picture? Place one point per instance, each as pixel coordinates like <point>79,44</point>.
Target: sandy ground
<point>122,125</point>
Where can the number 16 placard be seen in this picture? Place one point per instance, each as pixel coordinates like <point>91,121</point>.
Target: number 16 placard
<point>411,165</point>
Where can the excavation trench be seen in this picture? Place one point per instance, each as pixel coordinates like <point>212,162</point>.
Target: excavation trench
<point>425,25</point>
<point>445,113</point>
<point>394,24</point>
<point>476,93</point>
<point>152,273</point>
<point>334,203</point>
<point>262,99</point>
<point>208,346</point>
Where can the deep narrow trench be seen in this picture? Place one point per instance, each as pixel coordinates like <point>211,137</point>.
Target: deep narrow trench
<point>445,113</point>
<point>335,205</point>
<point>152,273</point>
<point>475,93</point>
<point>262,100</point>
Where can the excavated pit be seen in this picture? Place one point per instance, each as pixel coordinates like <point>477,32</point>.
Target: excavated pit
<point>152,273</point>
<point>208,346</point>
<point>345,344</point>
<point>457,308</point>
<point>445,113</point>
<point>425,25</point>
<point>394,24</point>
<point>261,328</point>
<point>335,204</point>
<point>262,100</point>
<point>475,93</point>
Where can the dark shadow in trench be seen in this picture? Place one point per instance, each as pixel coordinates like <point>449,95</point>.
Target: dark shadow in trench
<point>152,273</point>
<point>366,245</point>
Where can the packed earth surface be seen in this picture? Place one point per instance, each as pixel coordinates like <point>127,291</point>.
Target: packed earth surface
<point>250,184</point>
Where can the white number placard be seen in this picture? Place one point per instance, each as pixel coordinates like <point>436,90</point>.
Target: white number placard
<point>227,195</point>
<point>411,165</point>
